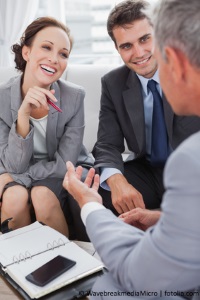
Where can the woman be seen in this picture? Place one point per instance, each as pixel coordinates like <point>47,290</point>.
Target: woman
<point>36,139</point>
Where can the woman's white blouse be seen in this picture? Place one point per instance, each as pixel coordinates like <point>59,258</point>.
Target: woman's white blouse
<point>39,137</point>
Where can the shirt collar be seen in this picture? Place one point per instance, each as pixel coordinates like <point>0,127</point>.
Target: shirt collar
<point>144,81</point>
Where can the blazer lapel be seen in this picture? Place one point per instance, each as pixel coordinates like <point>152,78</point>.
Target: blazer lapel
<point>52,116</point>
<point>169,116</point>
<point>134,104</point>
<point>52,124</point>
<point>135,107</point>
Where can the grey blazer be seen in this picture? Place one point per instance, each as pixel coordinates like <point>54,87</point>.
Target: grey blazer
<point>122,117</point>
<point>166,257</point>
<point>64,134</point>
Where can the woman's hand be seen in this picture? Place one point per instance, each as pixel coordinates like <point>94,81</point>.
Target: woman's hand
<point>35,99</point>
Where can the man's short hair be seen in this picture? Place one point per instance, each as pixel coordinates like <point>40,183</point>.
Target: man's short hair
<point>126,12</point>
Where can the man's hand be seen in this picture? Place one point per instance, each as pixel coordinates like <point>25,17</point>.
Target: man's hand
<point>141,218</point>
<point>124,196</point>
<point>82,192</point>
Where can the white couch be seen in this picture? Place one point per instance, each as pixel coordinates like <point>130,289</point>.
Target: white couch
<point>88,76</point>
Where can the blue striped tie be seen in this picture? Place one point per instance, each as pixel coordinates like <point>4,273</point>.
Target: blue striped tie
<point>159,141</point>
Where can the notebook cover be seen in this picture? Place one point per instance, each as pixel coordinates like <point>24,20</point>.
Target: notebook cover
<point>77,289</point>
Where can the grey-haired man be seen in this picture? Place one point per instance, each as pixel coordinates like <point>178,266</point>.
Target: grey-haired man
<point>164,260</point>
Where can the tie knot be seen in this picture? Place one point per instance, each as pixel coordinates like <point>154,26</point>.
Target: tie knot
<point>152,85</point>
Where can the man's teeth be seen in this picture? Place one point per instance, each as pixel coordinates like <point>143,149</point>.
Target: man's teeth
<point>142,62</point>
<point>48,69</point>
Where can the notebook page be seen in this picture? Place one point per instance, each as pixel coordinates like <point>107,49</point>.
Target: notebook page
<point>28,241</point>
<point>85,265</point>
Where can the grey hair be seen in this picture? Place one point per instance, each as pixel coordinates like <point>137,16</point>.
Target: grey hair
<point>177,24</point>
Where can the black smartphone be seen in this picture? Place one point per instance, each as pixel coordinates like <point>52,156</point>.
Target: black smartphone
<point>50,270</point>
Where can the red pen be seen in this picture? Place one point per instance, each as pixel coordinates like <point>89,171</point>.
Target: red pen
<point>53,104</point>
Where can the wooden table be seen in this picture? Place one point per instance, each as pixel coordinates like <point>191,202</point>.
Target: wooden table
<point>7,292</point>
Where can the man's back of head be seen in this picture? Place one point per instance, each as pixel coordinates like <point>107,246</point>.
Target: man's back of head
<point>177,24</point>
<point>176,35</point>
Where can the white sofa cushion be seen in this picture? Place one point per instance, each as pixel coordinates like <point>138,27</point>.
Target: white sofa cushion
<point>7,73</point>
<point>89,76</point>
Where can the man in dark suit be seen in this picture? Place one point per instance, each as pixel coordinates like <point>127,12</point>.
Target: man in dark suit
<point>127,113</point>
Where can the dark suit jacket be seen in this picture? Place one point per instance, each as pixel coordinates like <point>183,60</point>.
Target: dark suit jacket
<point>122,117</point>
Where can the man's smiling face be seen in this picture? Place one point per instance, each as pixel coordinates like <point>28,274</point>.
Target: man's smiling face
<point>134,44</point>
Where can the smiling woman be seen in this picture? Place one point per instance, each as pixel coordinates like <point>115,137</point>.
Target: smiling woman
<point>36,139</point>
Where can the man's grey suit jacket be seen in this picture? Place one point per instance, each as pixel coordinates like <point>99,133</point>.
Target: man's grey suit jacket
<point>166,257</point>
<point>122,117</point>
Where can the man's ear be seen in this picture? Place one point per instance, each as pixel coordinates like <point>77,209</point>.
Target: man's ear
<point>25,52</point>
<point>177,64</point>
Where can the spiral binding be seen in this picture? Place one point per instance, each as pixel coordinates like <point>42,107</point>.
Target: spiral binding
<point>55,244</point>
<point>27,254</point>
<point>22,257</point>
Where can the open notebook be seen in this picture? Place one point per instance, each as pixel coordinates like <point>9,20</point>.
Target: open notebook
<point>26,249</point>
